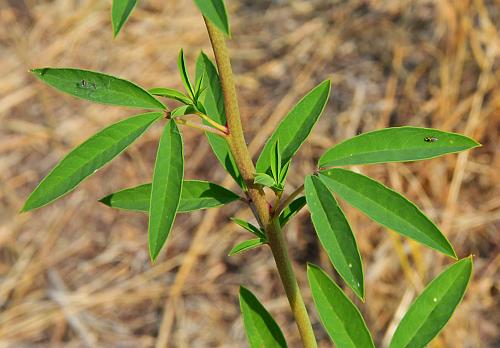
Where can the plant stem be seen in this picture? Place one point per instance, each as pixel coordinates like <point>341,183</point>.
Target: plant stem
<point>277,243</point>
<point>220,127</point>
<point>239,149</point>
<point>200,126</point>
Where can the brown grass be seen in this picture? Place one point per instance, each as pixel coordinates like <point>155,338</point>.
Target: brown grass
<point>77,273</point>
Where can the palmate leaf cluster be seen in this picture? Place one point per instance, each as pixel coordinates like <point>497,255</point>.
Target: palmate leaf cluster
<point>169,193</point>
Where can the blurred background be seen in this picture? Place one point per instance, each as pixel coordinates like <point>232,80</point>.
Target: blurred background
<point>77,274</point>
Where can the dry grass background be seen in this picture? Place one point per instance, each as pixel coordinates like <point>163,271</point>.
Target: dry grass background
<point>77,274</point>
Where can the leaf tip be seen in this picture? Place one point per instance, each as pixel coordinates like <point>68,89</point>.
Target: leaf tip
<point>106,200</point>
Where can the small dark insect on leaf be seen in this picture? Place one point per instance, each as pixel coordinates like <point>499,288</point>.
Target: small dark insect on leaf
<point>430,139</point>
<point>86,84</point>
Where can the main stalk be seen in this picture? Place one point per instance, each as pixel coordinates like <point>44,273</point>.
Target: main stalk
<point>246,167</point>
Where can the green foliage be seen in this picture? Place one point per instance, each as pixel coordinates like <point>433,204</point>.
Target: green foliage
<point>395,145</point>
<point>213,102</point>
<point>195,195</point>
<point>88,157</point>
<point>120,12</point>
<point>264,180</point>
<point>387,207</point>
<point>249,227</point>
<point>169,194</point>
<point>171,94</point>
<point>215,11</point>
<point>335,234</point>
<point>291,210</point>
<point>246,245</point>
<point>433,308</point>
<point>98,87</point>
<point>165,188</point>
<point>340,317</point>
<point>295,127</point>
<point>260,327</point>
<point>181,62</point>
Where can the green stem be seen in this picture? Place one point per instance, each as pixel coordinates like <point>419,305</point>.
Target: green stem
<point>239,149</point>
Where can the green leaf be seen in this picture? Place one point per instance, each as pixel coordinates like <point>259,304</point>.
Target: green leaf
<point>98,87</point>
<point>213,102</point>
<point>434,307</point>
<point>183,110</point>
<point>397,144</point>
<point>291,210</point>
<point>170,94</point>
<point>264,179</point>
<point>166,187</point>
<point>250,228</point>
<point>276,161</point>
<point>260,327</point>
<point>340,317</point>
<point>335,234</point>
<point>246,245</point>
<point>283,174</point>
<point>120,12</point>
<point>184,74</point>
<point>295,127</point>
<point>88,157</point>
<point>196,195</point>
<point>216,12</point>
<point>387,207</point>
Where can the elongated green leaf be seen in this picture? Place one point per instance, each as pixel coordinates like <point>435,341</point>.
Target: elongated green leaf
<point>166,188</point>
<point>387,207</point>
<point>295,127</point>
<point>250,228</point>
<point>291,210</point>
<point>397,144</point>
<point>216,12</point>
<point>184,74</point>
<point>213,101</point>
<point>246,245</point>
<point>260,327</point>
<point>434,307</point>
<point>171,94</point>
<point>340,317</point>
<point>98,87</point>
<point>183,110</point>
<point>264,179</point>
<point>120,12</point>
<point>88,157</point>
<point>335,234</point>
<point>276,161</point>
<point>196,195</point>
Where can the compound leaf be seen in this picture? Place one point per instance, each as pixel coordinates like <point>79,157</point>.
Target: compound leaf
<point>387,207</point>
<point>166,188</point>
<point>88,157</point>
<point>396,144</point>
<point>98,87</point>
